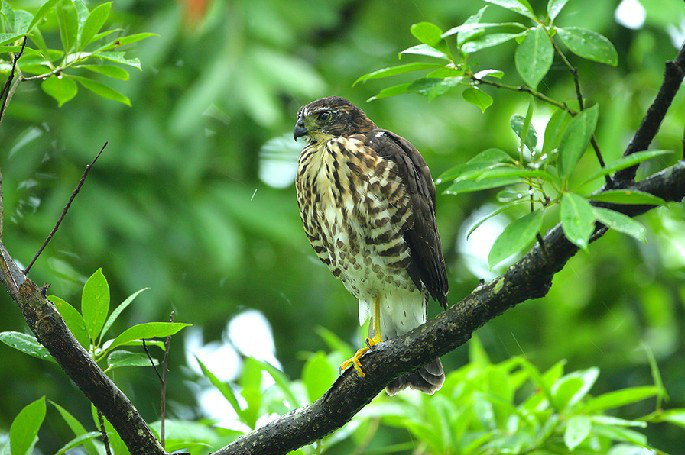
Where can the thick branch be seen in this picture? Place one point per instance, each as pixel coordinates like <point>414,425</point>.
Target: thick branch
<point>46,323</point>
<point>673,77</point>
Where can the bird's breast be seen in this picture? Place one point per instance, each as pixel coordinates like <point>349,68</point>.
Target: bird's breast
<point>355,209</point>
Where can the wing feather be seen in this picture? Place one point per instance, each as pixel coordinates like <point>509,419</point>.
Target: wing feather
<point>427,263</point>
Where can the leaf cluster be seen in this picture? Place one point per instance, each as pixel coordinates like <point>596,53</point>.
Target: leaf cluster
<point>87,48</point>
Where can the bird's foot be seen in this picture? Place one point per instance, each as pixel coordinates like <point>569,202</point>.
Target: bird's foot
<point>371,342</point>
<point>354,361</point>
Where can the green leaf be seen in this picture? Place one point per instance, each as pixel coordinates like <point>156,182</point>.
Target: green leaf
<point>480,28</point>
<point>486,41</point>
<point>147,330</point>
<point>317,375</point>
<point>554,7</point>
<point>24,428</point>
<point>477,353</point>
<point>60,88</point>
<point>577,219</point>
<point>102,90</point>
<point>251,390</point>
<point>432,87</point>
<point>589,45</point>
<point>571,388</point>
<point>469,186</point>
<point>620,222</point>
<point>554,130</point>
<point>391,91</point>
<point>78,441</point>
<point>628,161</point>
<point>427,32</point>
<point>484,159</point>
<point>619,398</point>
<point>627,197</point>
<point>222,387</point>
<point>517,123</point>
<point>674,416</point>
<point>465,35</point>
<point>478,98</point>
<point>122,41</point>
<point>395,70</point>
<point>425,50</point>
<point>96,19</point>
<point>502,172</point>
<point>518,6</point>
<point>73,319</point>
<point>492,73</point>
<point>577,429</point>
<point>334,342</point>
<point>95,303</point>
<point>282,383</point>
<point>68,24</point>
<point>533,57</point>
<point>516,237</point>
<point>117,311</point>
<point>27,344</point>
<point>41,13</point>
<point>493,214</point>
<point>616,433</point>
<point>576,139</point>
<point>119,57</point>
<point>76,427</point>
<point>123,358</point>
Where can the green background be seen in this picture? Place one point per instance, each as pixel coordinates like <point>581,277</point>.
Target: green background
<point>183,199</point>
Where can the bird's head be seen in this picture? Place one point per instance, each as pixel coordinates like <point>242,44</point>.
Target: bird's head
<point>329,117</point>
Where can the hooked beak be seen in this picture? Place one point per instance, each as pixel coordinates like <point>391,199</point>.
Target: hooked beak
<point>300,130</point>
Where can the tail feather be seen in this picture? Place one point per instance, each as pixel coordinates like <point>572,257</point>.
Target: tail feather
<point>428,379</point>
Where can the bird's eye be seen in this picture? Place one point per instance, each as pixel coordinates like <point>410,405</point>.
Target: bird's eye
<point>326,116</point>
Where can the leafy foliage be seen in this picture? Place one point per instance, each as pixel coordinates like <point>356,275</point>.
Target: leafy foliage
<point>547,169</point>
<point>86,48</point>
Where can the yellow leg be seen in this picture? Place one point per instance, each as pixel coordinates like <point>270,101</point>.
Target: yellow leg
<point>370,342</point>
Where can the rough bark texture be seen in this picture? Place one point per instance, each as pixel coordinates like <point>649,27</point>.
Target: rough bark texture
<point>46,323</point>
<point>529,278</point>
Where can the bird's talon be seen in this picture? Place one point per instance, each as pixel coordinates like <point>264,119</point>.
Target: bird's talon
<point>354,361</point>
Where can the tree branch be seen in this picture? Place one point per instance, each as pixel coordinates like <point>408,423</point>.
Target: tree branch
<point>46,323</point>
<point>673,77</point>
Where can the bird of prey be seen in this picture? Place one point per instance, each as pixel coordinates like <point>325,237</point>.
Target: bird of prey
<point>367,201</point>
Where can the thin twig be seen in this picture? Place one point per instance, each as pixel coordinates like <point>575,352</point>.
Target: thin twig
<point>5,95</point>
<point>581,103</point>
<point>152,361</point>
<point>522,88</point>
<point>103,430</point>
<point>165,369</point>
<point>66,209</point>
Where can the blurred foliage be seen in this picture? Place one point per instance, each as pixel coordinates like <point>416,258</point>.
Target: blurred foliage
<point>193,198</point>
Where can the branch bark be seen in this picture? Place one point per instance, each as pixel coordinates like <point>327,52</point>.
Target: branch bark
<point>46,323</point>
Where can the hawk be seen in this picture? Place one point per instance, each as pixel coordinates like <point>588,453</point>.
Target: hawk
<point>367,202</point>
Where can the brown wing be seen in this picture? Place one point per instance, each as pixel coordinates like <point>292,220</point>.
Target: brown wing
<point>427,264</point>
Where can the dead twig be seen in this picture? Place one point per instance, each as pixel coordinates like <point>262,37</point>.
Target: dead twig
<point>5,95</point>
<point>103,430</point>
<point>65,209</point>
<point>165,370</point>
